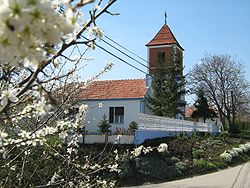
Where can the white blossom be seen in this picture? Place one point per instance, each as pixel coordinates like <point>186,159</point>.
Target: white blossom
<point>147,150</point>
<point>41,107</point>
<point>94,167</point>
<point>247,145</point>
<point>13,168</point>
<point>71,184</point>
<point>81,114</point>
<point>117,139</point>
<point>69,150</point>
<point>137,151</point>
<point>100,105</point>
<point>233,152</point>
<point>238,150</point>
<point>95,31</point>
<point>163,147</point>
<point>25,29</point>
<point>53,178</point>
<point>63,135</point>
<point>8,95</point>
<point>3,135</point>
<point>226,156</point>
<point>26,152</point>
<point>114,168</point>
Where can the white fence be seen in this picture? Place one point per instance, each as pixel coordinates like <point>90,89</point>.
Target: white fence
<point>156,123</point>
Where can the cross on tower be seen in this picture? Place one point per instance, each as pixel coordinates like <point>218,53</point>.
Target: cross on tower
<point>165,15</point>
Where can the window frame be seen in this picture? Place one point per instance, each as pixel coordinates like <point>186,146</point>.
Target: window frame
<point>115,116</point>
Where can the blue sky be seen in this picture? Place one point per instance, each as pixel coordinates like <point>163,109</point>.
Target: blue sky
<point>200,26</point>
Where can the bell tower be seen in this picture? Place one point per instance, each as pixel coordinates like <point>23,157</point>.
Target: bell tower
<point>165,44</point>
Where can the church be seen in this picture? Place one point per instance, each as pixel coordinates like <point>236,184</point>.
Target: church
<point>123,100</point>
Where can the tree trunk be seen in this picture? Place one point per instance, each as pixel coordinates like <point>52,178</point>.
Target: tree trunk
<point>106,137</point>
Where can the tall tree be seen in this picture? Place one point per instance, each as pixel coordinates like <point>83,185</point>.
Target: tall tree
<point>168,90</point>
<point>202,108</point>
<point>223,81</point>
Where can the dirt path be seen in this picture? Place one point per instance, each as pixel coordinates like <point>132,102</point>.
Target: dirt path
<point>236,177</point>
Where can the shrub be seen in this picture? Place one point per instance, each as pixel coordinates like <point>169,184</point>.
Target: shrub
<point>133,126</point>
<point>126,168</point>
<point>169,161</point>
<point>196,135</point>
<point>204,165</point>
<point>235,152</point>
<point>104,127</point>
<point>220,162</point>
<point>181,167</point>
<point>157,169</point>
<point>245,134</point>
<point>226,156</point>
<point>242,125</point>
<point>182,136</point>
<point>197,153</point>
<point>224,135</point>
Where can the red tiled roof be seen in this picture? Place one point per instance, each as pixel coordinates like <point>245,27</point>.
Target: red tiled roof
<point>114,89</point>
<point>189,110</point>
<point>164,36</point>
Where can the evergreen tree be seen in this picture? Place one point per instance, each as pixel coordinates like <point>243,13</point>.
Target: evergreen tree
<point>202,108</point>
<point>167,89</point>
<point>104,127</point>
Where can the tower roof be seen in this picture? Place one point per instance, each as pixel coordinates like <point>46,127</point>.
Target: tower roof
<point>164,37</point>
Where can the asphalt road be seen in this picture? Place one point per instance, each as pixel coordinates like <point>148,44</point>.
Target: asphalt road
<point>235,177</point>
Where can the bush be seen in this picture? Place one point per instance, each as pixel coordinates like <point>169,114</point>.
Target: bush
<point>197,135</point>
<point>157,169</point>
<point>197,153</point>
<point>133,126</point>
<point>126,168</point>
<point>224,135</point>
<point>182,136</point>
<point>245,134</point>
<point>204,165</point>
<point>220,162</point>
<point>169,161</point>
<point>242,125</point>
<point>181,167</point>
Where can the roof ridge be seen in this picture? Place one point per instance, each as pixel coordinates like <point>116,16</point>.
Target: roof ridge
<point>119,80</point>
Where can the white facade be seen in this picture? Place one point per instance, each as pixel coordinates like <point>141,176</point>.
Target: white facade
<point>132,109</point>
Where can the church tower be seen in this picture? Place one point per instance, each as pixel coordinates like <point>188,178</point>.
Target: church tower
<point>164,43</point>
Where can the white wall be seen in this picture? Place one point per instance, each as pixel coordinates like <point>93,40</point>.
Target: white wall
<point>92,139</point>
<point>132,108</point>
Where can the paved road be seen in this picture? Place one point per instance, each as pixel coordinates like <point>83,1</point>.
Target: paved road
<point>236,177</point>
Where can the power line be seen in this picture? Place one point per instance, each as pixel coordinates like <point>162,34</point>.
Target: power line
<point>125,48</point>
<point>116,56</point>
<point>124,53</point>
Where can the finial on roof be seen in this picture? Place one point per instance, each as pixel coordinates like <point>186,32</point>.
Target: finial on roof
<point>165,15</point>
